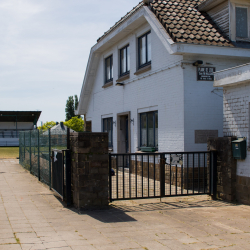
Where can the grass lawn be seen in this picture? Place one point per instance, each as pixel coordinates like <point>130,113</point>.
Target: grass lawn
<point>9,152</point>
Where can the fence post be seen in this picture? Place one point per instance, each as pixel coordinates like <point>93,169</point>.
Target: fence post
<point>213,174</point>
<point>49,160</point>
<point>30,151</point>
<point>24,144</point>
<point>68,138</point>
<point>68,177</point>
<point>162,175</point>
<point>38,155</point>
<point>110,179</point>
<point>19,149</point>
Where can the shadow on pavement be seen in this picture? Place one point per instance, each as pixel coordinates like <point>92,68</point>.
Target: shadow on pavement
<point>117,211</point>
<point>171,205</point>
<point>112,215</point>
<point>109,215</point>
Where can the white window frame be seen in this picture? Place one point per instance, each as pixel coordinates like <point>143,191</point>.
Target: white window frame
<point>233,5</point>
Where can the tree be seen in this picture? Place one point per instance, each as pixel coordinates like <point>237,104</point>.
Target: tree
<point>71,106</point>
<point>47,125</point>
<point>75,123</point>
<point>76,103</point>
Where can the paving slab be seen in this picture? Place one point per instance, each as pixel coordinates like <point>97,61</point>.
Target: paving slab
<point>32,217</point>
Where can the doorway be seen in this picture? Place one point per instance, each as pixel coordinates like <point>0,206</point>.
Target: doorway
<point>123,133</point>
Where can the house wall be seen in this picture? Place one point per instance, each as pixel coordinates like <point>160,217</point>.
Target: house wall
<point>236,119</point>
<point>236,103</point>
<point>203,102</point>
<point>171,87</point>
<point>160,88</point>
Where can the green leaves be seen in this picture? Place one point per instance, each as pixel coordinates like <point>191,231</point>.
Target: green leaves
<point>70,109</point>
<point>47,125</point>
<point>75,123</point>
<point>71,106</point>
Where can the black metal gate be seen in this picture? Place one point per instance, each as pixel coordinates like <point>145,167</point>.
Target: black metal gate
<point>155,175</point>
<point>61,174</point>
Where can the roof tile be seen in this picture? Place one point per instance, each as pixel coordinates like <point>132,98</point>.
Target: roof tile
<point>187,24</point>
<point>183,22</point>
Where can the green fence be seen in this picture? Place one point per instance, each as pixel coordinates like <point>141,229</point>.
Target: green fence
<point>35,148</point>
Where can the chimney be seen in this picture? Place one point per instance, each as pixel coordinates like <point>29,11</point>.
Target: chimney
<point>61,124</point>
<point>147,2</point>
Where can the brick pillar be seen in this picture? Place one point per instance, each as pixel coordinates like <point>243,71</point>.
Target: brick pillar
<point>226,167</point>
<point>89,170</point>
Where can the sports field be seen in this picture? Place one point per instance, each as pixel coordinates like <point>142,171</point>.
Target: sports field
<point>9,152</point>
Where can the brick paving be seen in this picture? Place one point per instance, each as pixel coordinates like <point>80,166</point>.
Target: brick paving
<point>31,217</point>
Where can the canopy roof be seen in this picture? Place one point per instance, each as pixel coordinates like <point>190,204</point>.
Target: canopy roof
<point>20,116</point>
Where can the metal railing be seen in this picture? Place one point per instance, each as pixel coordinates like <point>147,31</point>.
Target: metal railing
<point>35,151</point>
<point>155,175</point>
<point>61,174</point>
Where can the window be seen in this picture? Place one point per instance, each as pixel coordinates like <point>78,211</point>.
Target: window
<point>149,129</point>
<point>242,22</point>
<point>124,61</point>
<point>109,69</point>
<point>108,127</point>
<point>144,49</point>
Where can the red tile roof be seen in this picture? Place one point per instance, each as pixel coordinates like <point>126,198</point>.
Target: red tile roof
<point>183,22</point>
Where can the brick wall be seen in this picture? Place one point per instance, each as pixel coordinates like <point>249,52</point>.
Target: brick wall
<point>236,123</point>
<point>226,167</point>
<point>236,120</point>
<point>89,170</point>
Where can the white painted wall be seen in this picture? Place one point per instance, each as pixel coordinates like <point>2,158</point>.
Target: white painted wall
<point>157,89</point>
<point>203,108</point>
<point>236,103</point>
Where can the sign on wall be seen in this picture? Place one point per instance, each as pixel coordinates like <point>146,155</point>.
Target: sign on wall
<point>205,73</point>
<point>201,136</point>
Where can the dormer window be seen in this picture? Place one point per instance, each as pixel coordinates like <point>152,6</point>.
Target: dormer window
<point>242,20</point>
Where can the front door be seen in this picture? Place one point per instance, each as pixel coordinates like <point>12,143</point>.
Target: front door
<point>123,134</point>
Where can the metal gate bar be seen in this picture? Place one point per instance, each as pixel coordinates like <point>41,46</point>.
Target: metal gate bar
<point>61,174</point>
<point>154,175</point>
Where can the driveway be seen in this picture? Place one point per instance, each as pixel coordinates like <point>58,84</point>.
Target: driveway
<point>31,217</point>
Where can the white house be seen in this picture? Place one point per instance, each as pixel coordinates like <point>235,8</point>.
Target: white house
<point>236,104</point>
<point>149,78</point>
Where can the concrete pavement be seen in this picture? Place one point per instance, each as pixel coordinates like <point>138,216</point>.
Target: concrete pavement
<point>31,217</point>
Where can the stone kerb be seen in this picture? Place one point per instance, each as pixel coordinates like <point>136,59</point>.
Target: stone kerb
<point>90,170</point>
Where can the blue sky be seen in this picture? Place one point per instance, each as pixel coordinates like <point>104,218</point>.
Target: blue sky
<point>44,50</point>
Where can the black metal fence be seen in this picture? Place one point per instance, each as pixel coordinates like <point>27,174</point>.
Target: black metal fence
<point>61,174</point>
<point>152,175</point>
<point>35,151</point>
